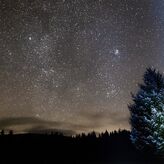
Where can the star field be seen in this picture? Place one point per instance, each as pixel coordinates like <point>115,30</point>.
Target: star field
<point>72,64</point>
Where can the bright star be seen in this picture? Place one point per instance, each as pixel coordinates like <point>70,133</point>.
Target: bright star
<point>116,51</point>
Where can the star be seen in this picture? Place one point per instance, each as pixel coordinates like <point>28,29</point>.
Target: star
<point>108,94</point>
<point>116,52</point>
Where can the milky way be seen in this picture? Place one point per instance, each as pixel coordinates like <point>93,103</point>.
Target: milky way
<point>72,64</point>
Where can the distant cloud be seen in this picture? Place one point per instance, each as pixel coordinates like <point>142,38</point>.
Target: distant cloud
<point>7,122</point>
<point>43,129</point>
<point>89,121</point>
<point>33,125</point>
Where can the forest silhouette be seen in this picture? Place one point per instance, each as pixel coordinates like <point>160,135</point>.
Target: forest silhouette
<point>114,147</point>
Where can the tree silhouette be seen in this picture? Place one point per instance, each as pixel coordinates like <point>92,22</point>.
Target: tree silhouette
<point>2,132</point>
<point>147,114</point>
<point>11,132</point>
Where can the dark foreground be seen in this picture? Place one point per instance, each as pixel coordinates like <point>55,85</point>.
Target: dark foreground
<point>115,148</point>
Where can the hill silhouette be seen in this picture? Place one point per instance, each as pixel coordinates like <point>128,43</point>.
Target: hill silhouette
<point>114,147</point>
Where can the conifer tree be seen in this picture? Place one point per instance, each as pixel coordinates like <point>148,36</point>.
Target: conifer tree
<point>147,114</point>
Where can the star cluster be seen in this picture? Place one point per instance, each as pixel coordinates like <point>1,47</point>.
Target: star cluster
<point>73,63</point>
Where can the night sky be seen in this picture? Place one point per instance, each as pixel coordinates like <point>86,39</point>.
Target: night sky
<point>71,65</point>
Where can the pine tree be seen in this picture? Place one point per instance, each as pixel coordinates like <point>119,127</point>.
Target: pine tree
<point>147,114</point>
